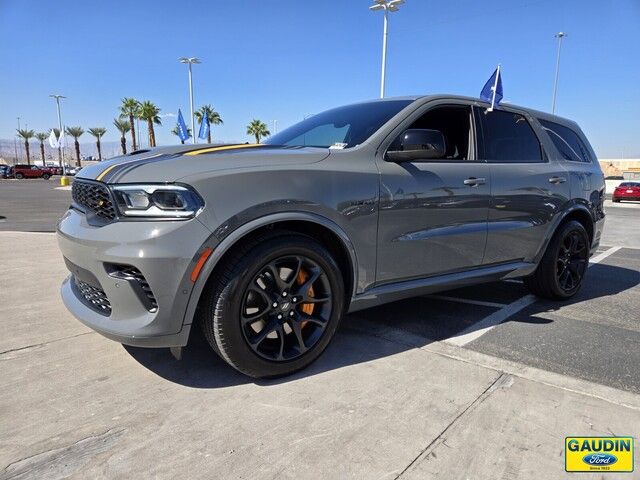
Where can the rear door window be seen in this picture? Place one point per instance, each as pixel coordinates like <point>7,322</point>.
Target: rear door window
<point>567,142</point>
<point>509,138</point>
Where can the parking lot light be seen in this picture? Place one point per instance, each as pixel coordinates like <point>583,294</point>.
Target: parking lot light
<point>191,61</point>
<point>559,36</point>
<point>387,6</point>
<point>60,150</point>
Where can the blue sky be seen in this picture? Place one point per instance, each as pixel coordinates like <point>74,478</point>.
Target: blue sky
<point>282,59</point>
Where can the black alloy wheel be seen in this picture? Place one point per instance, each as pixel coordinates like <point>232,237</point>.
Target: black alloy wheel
<point>273,305</point>
<point>572,261</point>
<point>286,308</point>
<point>563,267</point>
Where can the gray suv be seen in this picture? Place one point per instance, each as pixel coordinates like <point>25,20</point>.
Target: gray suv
<point>267,246</point>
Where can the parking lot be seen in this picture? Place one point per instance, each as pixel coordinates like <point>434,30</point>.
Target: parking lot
<point>421,388</point>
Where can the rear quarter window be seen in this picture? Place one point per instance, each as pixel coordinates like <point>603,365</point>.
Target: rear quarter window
<point>567,142</point>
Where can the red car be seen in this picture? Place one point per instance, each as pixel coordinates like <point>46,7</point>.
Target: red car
<point>30,171</point>
<point>626,191</point>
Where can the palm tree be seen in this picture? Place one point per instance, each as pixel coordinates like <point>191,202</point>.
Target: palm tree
<point>214,118</point>
<point>42,137</point>
<point>26,135</point>
<point>98,132</point>
<point>76,132</point>
<point>150,113</point>
<point>123,127</point>
<point>177,134</point>
<point>258,129</point>
<point>130,108</point>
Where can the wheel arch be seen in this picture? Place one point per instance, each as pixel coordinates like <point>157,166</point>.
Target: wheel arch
<point>329,234</point>
<point>576,211</point>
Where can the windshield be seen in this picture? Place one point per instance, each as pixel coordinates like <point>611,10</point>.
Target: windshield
<point>341,127</point>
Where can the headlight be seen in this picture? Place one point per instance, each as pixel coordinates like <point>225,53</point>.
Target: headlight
<point>157,201</point>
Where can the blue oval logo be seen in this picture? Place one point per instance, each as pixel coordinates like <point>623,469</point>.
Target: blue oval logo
<point>599,459</point>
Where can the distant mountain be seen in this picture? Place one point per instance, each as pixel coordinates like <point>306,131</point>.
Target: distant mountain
<point>8,151</point>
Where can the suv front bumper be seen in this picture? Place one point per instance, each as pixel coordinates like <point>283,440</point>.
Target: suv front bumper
<point>164,252</point>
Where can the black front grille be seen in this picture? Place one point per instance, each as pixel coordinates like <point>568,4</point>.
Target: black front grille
<point>95,198</point>
<point>137,280</point>
<point>94,297</point>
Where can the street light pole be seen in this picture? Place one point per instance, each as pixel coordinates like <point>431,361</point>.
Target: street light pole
<point>559,36</point>
<point>387,6</point>
<point>60,150</point>
<point>19,143</point>
<point>191,61</point>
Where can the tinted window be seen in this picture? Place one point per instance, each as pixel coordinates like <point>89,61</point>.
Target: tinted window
<point>567,142</point>
<point>508,137</point>
<point>344,126</point>
<point>455,124</point>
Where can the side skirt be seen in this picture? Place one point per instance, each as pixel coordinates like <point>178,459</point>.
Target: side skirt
<point>393,292</point>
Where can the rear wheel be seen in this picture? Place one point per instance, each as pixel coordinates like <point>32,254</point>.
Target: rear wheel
<point>19,176</point>
<point>615,200</point>
<point>562,269</point>
<point>273,307</point>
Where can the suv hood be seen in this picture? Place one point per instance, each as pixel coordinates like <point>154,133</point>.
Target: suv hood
<point>170,164</point>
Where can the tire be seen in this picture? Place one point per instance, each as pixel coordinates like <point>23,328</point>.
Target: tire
<point>301,333</point>
<point>563,267</point>
<point>19,176</point>
<point>615,200</point>
<point>46,176</point>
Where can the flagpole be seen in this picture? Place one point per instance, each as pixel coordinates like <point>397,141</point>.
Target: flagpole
<point>494,88</point>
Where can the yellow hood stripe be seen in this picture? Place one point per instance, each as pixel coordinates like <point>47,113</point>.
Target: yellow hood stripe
<point>105,171</point>
<point>192,152</point>
<point>108,169</point>
<point>225,147</point>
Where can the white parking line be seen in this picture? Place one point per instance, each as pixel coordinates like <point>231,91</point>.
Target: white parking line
<point>489,322</point>
<point>467,300</point>
<point>598,258</point>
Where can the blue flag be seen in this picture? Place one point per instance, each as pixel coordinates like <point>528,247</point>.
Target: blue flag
<point>204,127</point>
<point>183,133</point>
<point>495,82</point>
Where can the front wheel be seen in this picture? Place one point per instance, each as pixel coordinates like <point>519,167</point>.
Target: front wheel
<point>46,176</point>
<point>274,305</point>
<point>561,271</point>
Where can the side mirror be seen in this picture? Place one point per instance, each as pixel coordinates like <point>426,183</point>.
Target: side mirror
<point>418,144</point>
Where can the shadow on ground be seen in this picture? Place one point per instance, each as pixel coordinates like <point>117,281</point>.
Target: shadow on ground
<point>358,338</point>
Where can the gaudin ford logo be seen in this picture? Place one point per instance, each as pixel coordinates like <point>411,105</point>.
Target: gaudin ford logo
<point>594,454</point>
<point>599,459</point>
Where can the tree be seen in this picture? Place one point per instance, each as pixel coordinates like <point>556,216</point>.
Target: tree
<point>42,137</point>
<point>76,133</point>
<point>130,108</point>
<point>26,135</point>
<point>214,118</point>
<point>123,127</point>
<point>177,134</point>
<point>258,129</point>
<point>151,114</point>
<point>98,132</point>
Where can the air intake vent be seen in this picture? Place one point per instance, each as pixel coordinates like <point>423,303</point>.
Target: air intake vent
<point>138,282</point>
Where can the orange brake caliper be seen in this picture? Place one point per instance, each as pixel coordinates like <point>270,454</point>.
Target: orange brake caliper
<point>305,307</point>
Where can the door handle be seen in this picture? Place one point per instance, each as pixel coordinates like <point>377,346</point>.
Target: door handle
<point>474,182</point>
<point>557,180</point>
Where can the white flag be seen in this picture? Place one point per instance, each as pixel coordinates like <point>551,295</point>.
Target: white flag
<point>53,141</point>
<point>61,140</point>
